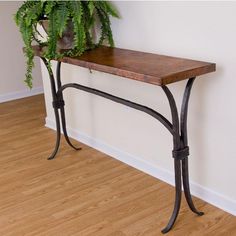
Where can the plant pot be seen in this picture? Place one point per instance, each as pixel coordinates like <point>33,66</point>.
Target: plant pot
<point>67,39</point>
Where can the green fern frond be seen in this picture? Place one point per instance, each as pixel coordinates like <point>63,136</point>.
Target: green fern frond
<point>106,32</point>
<point>33,13</point>
<point>22,11</point>
<point>110,9</point>
<point>52,36</point>
<point>49,7</point>
<point>78,23</point>
<point>91,7</point>
<point>88,21</point>
<point>29,54</point>
<point>76,10</point>
<point>62,16</point>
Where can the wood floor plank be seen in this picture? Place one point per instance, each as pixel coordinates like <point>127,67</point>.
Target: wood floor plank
<point>84,193</point>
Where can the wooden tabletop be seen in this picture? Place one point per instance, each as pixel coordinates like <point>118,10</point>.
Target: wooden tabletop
<point>146,67</point>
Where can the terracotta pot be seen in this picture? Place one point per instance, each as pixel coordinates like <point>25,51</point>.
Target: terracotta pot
<point>66,41</point>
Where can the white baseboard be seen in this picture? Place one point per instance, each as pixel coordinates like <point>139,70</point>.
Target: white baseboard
<point>206,194</point>
<point>20,94</point>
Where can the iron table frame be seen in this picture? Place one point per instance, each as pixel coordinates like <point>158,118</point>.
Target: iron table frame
<point>178,129</point>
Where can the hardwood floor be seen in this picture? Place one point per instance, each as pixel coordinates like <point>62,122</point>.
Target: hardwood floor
<point>82,193</point>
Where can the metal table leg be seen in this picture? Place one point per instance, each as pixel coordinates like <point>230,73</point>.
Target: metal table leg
<point>180,153</point>
<point>58,104</point>
<point>184,139</point>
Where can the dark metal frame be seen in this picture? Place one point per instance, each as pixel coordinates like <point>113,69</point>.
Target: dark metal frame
<point>177,128</point>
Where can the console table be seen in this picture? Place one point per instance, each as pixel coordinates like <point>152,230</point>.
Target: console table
<point>149,68</point>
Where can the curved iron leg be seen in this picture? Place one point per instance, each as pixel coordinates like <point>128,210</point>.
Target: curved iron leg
<point>63,122</point>
<point>58,135</point>
<point>187,189</point>
<point>56,112</point>
<point>178,186</point>
<point>184,139</point>
<point>177,162</point>
<point>62,110</point>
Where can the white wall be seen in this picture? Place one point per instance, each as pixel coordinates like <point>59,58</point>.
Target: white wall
<point>198,30</point>
<point>12,61</point>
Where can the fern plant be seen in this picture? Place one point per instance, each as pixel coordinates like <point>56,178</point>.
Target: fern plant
<point>82,14</point>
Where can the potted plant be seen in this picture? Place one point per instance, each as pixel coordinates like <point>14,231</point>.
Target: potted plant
<point>69,25</point>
